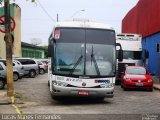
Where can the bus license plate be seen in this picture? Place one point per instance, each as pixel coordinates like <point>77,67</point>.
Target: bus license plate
<point>83,93</point>
<point>139,84</point>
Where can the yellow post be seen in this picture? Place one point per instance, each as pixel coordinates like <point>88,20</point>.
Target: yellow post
<point>10,87</point>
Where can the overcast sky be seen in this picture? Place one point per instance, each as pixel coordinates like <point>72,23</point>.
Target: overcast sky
<point>38,19</point>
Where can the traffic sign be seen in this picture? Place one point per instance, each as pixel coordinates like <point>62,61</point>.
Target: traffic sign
<point>2,24</point>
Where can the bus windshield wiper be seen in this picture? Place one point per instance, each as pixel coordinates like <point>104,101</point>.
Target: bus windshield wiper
<point>76,64</point>
<point>95,62</point>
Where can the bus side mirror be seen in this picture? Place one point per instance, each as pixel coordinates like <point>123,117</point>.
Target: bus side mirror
<point>120,55</point>
<point>50,50</point>
<point>120,52</point>
<point>52,41</point>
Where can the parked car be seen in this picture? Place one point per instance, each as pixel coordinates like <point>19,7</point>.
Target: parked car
<point>2,76</point>
<point>30,66</point>
<point>42,67</point>
<point>136,77</point>
<point>17,65</point>
<point>18,71</point>
<point>45,62</point>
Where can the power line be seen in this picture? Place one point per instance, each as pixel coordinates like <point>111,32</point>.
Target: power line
<point>45,11</point>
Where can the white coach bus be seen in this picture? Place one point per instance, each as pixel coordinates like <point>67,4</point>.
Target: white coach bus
<point>83,59</point>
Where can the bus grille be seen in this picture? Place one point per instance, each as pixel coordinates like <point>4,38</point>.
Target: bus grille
<point>84,87</point>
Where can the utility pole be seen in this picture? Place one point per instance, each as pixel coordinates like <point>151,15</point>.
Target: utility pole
<point>10,88</point>
<point>77,12</point>
<point>57,17</point>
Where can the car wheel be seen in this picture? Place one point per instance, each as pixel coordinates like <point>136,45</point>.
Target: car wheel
<point>150,90</point>
<point>15,76</point>
<point>20,77</point>
<point>125,89</point>
<point>2,84</point>
<point>32,74</point>
<point>41,71</point>
<point>121,86</point>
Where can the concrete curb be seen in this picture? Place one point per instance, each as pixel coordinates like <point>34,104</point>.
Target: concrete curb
<point>156,81</point>
<point>8,101</point>
<point>5,101</point>
<point>156,86</point>
<point>10,104</point>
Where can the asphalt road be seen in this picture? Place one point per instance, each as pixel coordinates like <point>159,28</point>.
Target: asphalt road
<point>134,103</point>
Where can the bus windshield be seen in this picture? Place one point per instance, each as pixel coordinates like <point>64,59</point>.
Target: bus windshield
<point>85,52</point>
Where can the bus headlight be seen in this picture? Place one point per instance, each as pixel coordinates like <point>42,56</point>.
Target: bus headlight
<point>106,85</point>
<point>58,83</point>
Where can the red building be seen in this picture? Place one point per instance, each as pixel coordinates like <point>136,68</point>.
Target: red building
<point>144,19</point>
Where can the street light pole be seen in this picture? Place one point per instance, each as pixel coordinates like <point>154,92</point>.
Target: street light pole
<point>10,88</point>
<point>77,12</point>
<point>57,17</point>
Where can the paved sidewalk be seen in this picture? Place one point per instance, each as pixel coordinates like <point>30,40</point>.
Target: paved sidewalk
<point>6,106</point>
<point>156,81</point>
<point>4,99</point>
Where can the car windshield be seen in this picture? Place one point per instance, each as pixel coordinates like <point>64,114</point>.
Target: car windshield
<point>85,52</point>
<point>136,71</point>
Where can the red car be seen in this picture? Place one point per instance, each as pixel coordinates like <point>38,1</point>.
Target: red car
<point>136,77</point>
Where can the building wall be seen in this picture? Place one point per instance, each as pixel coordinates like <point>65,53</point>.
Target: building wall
<point>150,44</point>
<point>2,43</point>
<point>17,32</point>
<point>32,53</point>
<point>129,22</point>
<point>15,12</point>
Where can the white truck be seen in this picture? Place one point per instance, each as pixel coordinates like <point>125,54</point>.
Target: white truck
<point>132,52</point>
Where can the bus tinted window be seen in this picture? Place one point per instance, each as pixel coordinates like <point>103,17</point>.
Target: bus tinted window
<point>94,36</point>
<point>69,35</point>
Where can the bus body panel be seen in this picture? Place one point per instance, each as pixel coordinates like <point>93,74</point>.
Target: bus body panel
<point>74,85</point>
<point>81,86</point>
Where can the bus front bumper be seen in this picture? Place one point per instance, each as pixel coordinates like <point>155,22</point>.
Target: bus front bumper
<point>82,92</point>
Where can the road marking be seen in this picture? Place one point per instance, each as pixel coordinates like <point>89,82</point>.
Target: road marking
<point>14,106</point>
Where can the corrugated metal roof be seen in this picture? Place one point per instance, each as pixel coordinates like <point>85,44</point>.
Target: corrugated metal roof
<point>143,19</point>
<point>24,44</point>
